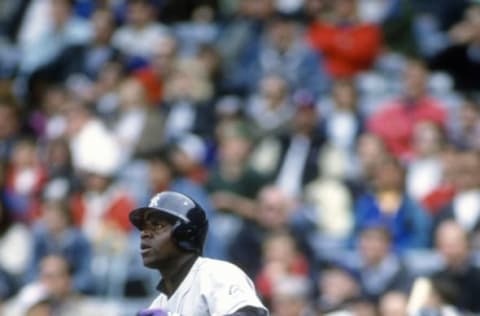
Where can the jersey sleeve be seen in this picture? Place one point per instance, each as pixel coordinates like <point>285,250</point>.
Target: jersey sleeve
<point>229,289</point>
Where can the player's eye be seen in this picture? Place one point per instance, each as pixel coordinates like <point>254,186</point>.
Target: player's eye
<point>148,226</point>
<point>159,225</point>
<point>155,225</point>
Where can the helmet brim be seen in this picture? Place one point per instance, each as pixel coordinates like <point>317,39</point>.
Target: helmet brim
<point>137,216</point>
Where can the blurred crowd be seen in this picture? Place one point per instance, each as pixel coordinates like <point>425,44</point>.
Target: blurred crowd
<point>335,145</point>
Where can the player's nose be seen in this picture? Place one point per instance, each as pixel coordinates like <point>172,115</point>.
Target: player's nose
<point>145,234</point>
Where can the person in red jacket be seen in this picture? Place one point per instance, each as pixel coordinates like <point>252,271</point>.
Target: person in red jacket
<point>154,76</point>
<point>347,44</point>
<point>395,120</point>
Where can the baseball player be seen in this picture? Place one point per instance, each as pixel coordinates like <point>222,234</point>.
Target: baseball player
<point>173,229</point>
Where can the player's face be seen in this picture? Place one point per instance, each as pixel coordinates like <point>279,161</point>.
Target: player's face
<point>157,248</point>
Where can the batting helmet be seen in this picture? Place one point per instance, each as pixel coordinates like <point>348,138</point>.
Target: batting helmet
<point>189,220</point>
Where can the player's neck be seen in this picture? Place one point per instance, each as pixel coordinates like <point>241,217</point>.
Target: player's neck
<point>173,276</point>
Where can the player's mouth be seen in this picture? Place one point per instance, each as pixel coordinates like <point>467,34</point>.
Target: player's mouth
<point>144,249</point>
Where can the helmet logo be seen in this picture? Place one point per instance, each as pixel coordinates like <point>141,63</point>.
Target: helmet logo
<point>154,201</point>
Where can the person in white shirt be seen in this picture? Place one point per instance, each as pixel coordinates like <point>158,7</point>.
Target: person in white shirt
<point>173,230</point>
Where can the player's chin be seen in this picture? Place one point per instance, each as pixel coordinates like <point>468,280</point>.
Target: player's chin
<point>148,259</point>
<point>149,262</point>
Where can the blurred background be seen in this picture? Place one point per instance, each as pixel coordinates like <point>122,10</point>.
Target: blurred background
<point>335,145</point>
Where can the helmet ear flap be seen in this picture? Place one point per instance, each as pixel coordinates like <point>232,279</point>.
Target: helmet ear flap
<point>182,231</point>
<point>189,236</point>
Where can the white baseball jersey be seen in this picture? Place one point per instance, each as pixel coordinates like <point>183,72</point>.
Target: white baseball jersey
<point>211,288</point>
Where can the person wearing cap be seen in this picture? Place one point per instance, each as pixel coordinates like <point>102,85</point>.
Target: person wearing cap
<point>173,229</point>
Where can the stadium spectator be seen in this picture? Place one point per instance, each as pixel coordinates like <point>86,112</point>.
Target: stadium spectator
<point>280,258</point>
<point>55,284</point>
<point>343,121</point>
<point>187,101</point>
<point>25,179</point>
<point>81,63</point>
<point>291,297</point>
<point>163,57</point>
<point>461,60</point>
<point>464,208</point>
<point>338,286</point>
<point>411,107</point>
<point>348,45</point>
<point>270,109</point>
<point>134,39</point>
<point>453,244</point>
<point>283,51</point>
<point>239,39</point>
<point>275,212</point>
<point>425,170</point>
<point>379,270</point>
<point>388,202</point>
<point>291,157</point>
<point>55,234</point>
<point>200,31</point>
<point>370,150</point>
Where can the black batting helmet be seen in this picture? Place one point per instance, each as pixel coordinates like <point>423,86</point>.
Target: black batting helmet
<point>190,222</point>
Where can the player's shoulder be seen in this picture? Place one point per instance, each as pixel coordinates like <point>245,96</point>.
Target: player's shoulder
<point>217,265</point>
<point>218,269</point>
